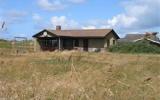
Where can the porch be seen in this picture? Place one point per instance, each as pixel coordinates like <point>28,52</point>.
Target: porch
<point>62,43</point>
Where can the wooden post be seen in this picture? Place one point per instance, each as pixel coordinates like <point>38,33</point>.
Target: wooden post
<point>35,45</point>
<point>59,44</point>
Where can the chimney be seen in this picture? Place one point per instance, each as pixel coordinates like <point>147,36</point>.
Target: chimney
<point>58,28</point>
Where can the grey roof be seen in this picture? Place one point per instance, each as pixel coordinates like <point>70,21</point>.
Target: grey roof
<point>133,37</point>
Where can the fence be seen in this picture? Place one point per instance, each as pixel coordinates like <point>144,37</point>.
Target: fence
<point>18,45</point>
<point>22,45</point>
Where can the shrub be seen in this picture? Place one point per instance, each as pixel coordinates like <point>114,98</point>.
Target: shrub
<point>135,47</point>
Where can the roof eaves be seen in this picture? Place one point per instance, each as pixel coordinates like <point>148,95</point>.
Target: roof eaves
<point>34,36</point>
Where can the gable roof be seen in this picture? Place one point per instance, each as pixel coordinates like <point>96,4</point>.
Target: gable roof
<point>80,33</point>
<point>133,37</point>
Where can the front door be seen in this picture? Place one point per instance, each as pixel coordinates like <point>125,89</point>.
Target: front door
<point>85,44</point>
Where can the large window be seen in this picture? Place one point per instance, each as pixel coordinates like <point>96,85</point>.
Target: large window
<point>68,44</point>
<point>48,42</point>
<point>76,43</point>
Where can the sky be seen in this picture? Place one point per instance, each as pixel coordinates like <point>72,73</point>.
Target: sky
<point>24,18</point>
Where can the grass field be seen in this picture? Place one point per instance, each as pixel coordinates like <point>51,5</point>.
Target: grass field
<point>79,76</point>
<point>21,46</point>
<point>5,44</point>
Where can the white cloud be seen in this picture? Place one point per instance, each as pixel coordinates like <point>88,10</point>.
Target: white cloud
<point>39,22</point>
<point>64,22</point>
<point>77,1</point>
<point>88,27</point>
<point>139,14</point>
<point>122,20</point>
<point>51,5</point>
<point>36,17</point>
<point>13,16</point>
<point>55,5</point>
<point>96,23</point>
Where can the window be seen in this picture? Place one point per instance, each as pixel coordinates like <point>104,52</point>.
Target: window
<point>108,43</point>
<point>76,44</point>
<point>114,42</point>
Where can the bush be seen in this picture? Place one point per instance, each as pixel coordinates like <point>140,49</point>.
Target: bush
<point>138,47</point>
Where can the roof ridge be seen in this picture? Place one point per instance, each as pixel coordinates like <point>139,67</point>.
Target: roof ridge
<point>81,32</point>
<point>135,34</point>
<point>80,29</point>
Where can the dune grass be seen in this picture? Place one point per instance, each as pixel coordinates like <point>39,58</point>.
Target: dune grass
<point>143,47</point>
<point>79,76</point>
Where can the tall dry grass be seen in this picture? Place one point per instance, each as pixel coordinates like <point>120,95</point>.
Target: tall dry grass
<point>79,76</point>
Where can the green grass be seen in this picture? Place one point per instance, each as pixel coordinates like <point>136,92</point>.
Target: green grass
<point>21,46</point>
<point>5,44</point>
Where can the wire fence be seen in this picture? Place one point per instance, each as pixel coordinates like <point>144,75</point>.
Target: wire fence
<point>19,45</point>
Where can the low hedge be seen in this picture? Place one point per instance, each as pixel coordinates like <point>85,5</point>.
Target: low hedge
<point>138,47</point>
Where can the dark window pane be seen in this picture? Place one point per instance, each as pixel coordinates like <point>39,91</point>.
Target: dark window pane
<point>114,42</point>
<point>76,43</point>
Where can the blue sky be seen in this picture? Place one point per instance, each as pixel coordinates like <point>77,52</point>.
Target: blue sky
<point>27,17</point>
